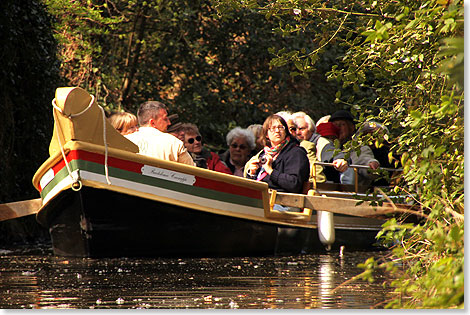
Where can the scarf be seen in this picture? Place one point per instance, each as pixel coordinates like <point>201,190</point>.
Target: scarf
<point>201,158</point>
<point>272,152</point>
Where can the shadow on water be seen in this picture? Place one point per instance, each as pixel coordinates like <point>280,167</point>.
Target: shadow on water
<point>35,278</point>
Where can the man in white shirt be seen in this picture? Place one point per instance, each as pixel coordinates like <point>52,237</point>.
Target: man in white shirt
<point>152,139</point>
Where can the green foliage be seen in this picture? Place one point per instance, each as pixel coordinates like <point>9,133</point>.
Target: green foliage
<point>412,75</point>
<point>212,71</point>
<point>402,66</point>
<point>28,78</point>
<point>224,63</point>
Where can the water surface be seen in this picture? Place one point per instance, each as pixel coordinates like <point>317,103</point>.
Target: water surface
<point>35,278</point>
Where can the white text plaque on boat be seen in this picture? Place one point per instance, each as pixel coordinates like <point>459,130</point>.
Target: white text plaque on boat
<point>168,175</point>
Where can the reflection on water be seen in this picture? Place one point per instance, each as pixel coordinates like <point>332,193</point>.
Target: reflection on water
<point>42,280</point>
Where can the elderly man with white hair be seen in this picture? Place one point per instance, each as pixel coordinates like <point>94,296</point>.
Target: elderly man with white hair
<point>306,131</point>
<point>305,127</point>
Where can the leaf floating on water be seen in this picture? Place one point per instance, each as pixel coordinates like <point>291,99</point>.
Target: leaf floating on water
<point>233,304</point>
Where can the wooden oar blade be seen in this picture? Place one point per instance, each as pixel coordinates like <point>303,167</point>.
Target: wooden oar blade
<point>18,209</point>
<point>336,205</point>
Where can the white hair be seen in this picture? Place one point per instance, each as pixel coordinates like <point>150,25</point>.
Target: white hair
<point>310,122</point>
<point>285,114</point>
<point>324,119</point>
<point>239,132</point>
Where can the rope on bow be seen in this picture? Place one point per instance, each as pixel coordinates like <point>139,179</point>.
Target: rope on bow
<point>77,184</point>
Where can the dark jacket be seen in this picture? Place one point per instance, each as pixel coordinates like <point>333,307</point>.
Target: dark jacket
<point>225,157</point>
<point>291,169</point>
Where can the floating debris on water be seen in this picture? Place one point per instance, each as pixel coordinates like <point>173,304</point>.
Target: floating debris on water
<point>120,301</point>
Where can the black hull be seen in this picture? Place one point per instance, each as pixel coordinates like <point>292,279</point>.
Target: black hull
<point>102,223</point>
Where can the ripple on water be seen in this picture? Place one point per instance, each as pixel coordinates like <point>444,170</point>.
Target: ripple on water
<point>301,282</point>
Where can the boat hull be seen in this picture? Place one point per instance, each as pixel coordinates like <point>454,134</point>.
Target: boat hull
<point>100,198</point>
<point>102,223</point>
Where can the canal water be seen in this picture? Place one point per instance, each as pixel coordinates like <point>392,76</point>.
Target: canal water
<point>34,278</point>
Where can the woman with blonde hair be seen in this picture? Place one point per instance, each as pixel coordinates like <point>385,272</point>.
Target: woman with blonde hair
<point>124,122</point>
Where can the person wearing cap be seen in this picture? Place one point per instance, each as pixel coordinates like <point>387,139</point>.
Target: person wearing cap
<point>175,127</point>
<point>344,120</point>
<point>345,123</point>
<point>152,137</point>
<point>201,156</point>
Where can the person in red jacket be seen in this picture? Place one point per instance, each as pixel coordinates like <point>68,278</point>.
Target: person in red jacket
<point>201,156</point>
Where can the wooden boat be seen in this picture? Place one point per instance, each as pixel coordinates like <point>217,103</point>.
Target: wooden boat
<point>100,198</point>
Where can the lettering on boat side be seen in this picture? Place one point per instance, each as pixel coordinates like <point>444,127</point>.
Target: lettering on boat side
<point>46,178</point>
<point>168,175</point>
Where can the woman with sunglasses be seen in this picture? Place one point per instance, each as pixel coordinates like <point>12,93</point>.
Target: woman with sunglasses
<point>241,143</point>
<point>201,156</point>
<point>283,163</point>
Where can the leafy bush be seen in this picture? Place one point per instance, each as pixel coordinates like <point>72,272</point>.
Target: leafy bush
<point>212,71</point>
<point>402,66</point>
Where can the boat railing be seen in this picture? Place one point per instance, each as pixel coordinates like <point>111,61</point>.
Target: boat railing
<point>290,200</point>
<point>356,167</point>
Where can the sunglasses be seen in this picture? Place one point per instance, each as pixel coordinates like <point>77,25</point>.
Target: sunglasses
<point>241,146</point>
<point>191,140</point>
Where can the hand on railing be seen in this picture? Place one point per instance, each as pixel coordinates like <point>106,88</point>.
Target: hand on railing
<point>340,164</point>
<point>374,165</point>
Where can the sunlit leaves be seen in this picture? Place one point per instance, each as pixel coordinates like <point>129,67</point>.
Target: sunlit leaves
<point>403,71</point>
<point>379,33</point>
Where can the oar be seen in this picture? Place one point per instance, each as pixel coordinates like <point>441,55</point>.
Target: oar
<point>362,166</point>
<point>346,206</point>
<point>18,209</point>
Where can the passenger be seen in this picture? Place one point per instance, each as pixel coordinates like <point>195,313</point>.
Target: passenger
<point>378,130</point>
<point>305,127</point>
<point>381,152</point>
<point>152,138</point>
<point>257,130</point>
<point>175,127</point>
<point>304,131</point>
<point>241,143</point>
<point>345,122</point>
<point>124,122</point>
<point>287,116</point>
<point>286,167</point>
<point>326,151</point>
<point>201,156</point>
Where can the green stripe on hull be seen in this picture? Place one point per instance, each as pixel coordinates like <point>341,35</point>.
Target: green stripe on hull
<point>151,181</point>
<point>61,175</point>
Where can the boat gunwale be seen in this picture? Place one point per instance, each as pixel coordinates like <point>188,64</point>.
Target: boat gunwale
<point>270,216</point>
